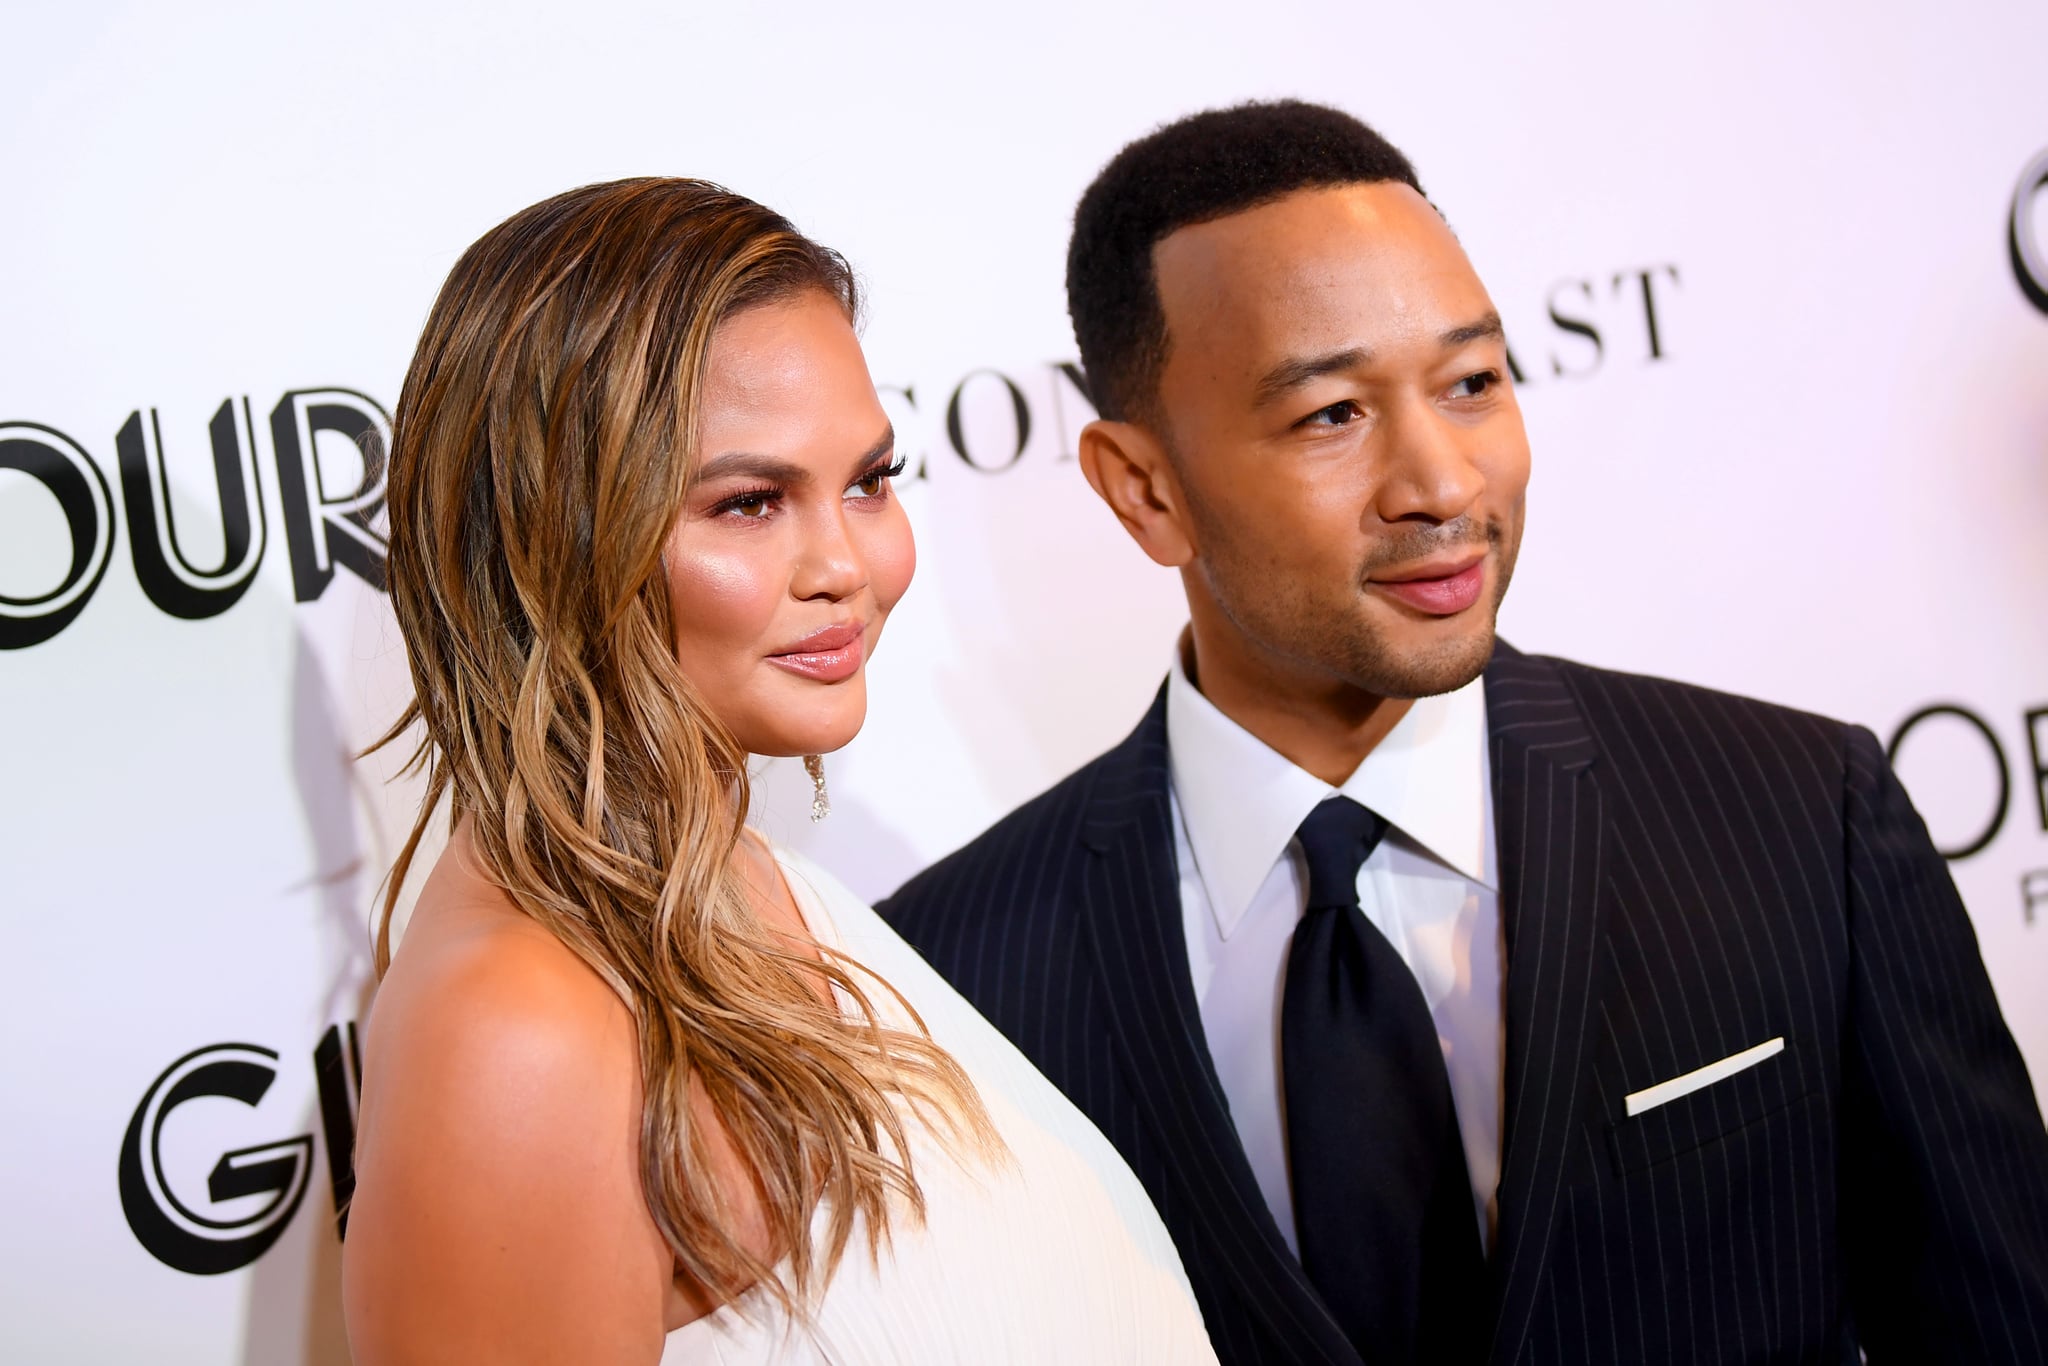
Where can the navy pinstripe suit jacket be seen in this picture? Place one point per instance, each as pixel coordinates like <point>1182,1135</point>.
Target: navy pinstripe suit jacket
<point>1685,875</point>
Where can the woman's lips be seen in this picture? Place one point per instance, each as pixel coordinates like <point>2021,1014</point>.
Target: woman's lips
<point>832,655</point>
<point>1440,595</point>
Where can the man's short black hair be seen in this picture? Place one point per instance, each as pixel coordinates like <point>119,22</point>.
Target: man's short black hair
<point>1208,165</point>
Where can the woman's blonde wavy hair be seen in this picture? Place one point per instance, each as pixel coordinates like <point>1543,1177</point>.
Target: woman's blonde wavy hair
<point>545,438</point>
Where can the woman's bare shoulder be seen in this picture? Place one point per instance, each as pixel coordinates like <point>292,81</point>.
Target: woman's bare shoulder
<point>476,974</point>
<point>498,1205</point>
<point>488,1024</point>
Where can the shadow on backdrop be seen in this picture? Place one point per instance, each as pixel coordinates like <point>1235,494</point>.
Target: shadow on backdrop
<point>294,1303</point>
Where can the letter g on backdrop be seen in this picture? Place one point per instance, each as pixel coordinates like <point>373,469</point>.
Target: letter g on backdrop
<point>173,1232</point>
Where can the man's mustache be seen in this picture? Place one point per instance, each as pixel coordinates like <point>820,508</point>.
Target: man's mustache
<point>1405,545</point>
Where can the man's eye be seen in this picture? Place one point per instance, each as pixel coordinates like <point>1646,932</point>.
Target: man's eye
<point>1472,386</point>
<point>1336,415</point>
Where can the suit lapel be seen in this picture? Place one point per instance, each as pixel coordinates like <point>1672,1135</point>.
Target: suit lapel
<point>1550,826</point>
<point>1130,904</point>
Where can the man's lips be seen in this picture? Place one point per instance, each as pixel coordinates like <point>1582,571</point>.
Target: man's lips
<point>831,655</point>
<point>1440,589</point>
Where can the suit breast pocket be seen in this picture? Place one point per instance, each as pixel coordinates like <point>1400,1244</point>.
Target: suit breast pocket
<point>1684,1113</point>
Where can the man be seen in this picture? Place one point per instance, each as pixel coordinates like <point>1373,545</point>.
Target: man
<point>1456,1004</point>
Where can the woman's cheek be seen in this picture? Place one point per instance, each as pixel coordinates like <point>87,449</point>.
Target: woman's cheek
<point>892,557</point>
<point>725,599</point>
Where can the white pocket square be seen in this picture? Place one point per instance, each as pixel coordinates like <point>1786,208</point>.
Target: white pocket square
<point>1665,1091</point>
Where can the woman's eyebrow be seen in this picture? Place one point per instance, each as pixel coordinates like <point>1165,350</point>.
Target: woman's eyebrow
<point>769,468</point>
<point>884,447</point>
<point>775,469</point>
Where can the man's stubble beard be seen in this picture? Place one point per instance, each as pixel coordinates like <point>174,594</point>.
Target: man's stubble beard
<point>1282,616</point>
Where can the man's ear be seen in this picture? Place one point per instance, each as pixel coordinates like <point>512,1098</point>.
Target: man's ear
<point>1128,469</point>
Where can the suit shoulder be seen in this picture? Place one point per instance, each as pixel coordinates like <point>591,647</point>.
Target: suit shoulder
<point>1023,841</point>
<point>1632,711</point>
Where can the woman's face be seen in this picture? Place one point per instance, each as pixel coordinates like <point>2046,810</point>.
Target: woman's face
<point>792,546</point>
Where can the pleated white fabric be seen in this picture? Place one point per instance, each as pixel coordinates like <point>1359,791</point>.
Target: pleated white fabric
<point>1054,1254</point>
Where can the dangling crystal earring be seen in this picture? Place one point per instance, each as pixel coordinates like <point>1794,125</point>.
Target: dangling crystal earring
<point>821,805</point>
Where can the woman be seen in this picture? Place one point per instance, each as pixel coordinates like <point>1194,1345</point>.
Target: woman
<point>638,1086</point>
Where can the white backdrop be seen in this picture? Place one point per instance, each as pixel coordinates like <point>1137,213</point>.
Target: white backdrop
<point>1822,483</point>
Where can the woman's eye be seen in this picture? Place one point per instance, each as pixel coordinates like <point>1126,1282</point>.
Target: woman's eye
<point>753,507</point>
<point>1472,386</point>
<point>875,482</point>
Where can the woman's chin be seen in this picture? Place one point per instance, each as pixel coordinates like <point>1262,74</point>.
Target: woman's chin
<point>789,742</point>
<point>785,750</point>
<point>807,718</point>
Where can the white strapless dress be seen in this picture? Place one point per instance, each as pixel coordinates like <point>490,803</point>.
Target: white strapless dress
<point>1053,1256</point>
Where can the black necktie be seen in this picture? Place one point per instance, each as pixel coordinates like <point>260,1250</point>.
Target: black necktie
<point>1382,1202</point>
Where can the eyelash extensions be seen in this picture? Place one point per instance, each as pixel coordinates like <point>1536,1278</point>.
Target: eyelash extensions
<point>771,493</point>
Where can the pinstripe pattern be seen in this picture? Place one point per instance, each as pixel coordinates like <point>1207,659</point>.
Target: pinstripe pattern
<point>1684,875</point>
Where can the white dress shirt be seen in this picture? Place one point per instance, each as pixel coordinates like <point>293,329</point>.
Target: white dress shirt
<point>1432,887</point>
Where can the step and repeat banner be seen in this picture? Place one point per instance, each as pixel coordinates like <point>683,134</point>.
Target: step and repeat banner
<point>1776,284</point>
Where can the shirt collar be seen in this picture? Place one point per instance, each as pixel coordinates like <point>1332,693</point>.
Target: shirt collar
<point>1241,800</point>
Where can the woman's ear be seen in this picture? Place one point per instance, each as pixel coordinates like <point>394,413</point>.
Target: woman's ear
<point>1128,468</point>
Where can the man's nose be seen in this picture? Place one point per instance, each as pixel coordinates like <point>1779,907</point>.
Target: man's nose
<point>1431,473</point>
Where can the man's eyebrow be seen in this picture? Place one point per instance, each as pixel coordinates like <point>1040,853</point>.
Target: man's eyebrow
<point>1290,375</point>
<point>775,470</point>
<point>1487,328</point>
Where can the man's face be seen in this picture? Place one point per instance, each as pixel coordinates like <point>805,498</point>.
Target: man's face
<point>1337,403</point>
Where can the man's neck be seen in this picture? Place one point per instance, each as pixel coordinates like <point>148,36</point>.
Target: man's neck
<point>1321,725</point>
